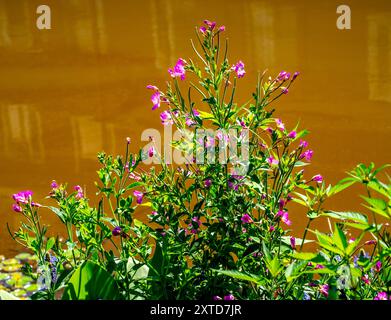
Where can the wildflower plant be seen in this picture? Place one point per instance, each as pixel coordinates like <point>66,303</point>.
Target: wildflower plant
<point>217,225</point>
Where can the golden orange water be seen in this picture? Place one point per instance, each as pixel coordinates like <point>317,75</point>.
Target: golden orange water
<point>79,88</point>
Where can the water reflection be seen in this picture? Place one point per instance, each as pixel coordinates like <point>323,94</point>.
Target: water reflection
<point>75,90</point>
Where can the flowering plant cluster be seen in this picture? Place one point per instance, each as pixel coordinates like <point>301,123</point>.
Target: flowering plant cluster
<point>217,229</point>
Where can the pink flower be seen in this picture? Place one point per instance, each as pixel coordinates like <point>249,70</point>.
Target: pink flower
<point>370,242</point>
<point>269,130</point>
<point>272,228</point>
<point>318,178</point>
<point>239,69</point>
<point>179,69</point>
<point>155,98</point>
<point>307,155</point>
<point>196,220</point>
<point>283,75</point>
<point>246,218</point>
<point>284,217</point>
<point>229,297</point>
<point>202,30</point>
<point>284,90</point>
<point>22,196</point>
<point>216,298</point>
<point>319,266</point>
<point>151,152</point>
<point>293,243</point>
<point>210,24</point>
<point>166,118</point>
<point>54,184</point>
<point>303,143</point>
<point>295,75</point>
<point>190,122</point>
<point>196,113</point>
<point>271,161</point>
<point>128,140</point>
<point>80,193</point>
<point>17,208</point>
<point>365,278</point>
<point>378,266</point>
<point>139,196</point>
<point>381,296</point>
<point>324,290</point>
<point>151,87</point>
<point>222,28</point>
<point>292,134</point>
<point>280,124</point>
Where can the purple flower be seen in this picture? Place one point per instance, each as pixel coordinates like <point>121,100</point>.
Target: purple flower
<point>80,193</point>
<point>17,208</point>
<point>271,161</point>
<point>139,196</point>
<point>151,152</point>
<point>116,231</point>
<point>190,122</point>
<point>280,124</point>
<point>292,134</point>
<point>293,243</point>
<point>272,228</point>
<point>222,28</point>
<point>202,30</point>
<point>151,87</point>
<point>283,75</point>
<point>196,113</point>
<point>381,296</point>
<point>319,266</point>
<point>54,184</point>
<point>295,75</point>
<point>229,297</point>
<point>155,98</point>
<point>22,196</point>
<point>207,183</point>
<point>284,90</point>
<point>318,178</point>
<point>307,155</point>
<point>303,143</point>
<point>216,298</point>
<point>166,118</point>
<point>178,70</point>
<point>210,24</point>
<point>284,217</point>
<point>246,218</point>
<point>239,69</point>
<point>378,266</point>
<point>324,290</point>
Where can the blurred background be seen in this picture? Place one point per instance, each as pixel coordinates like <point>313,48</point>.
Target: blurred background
<point>79,88</point>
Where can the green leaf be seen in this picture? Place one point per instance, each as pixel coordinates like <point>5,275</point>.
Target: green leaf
<point>240,275</point>
<point>50,243</point>
<point>304,255</point>
<point>91,282</point>
<point>274,266</point>
<point>339,238</point>
<point>342,215</point>
<point>61,214</point>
